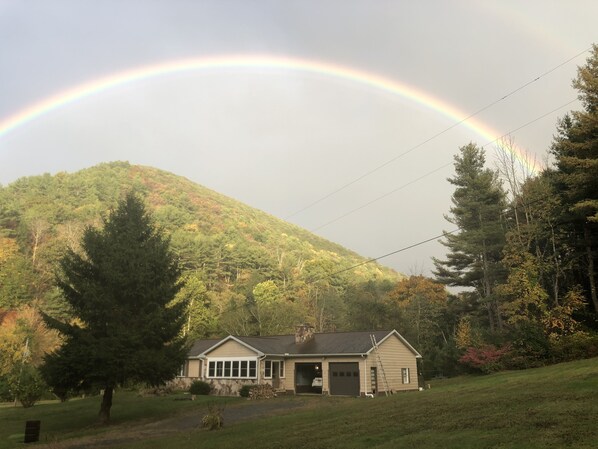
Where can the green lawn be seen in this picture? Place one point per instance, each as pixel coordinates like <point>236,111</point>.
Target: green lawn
<point>553,407</point>
<point>78,417</point>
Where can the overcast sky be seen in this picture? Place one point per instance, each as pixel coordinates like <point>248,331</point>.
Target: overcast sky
<point>279,139</point>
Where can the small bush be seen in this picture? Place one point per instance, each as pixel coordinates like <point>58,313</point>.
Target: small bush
<point>6,394</point>
<point>244,391</point>
<point>581,345</point>
<point>488,359</point>
<point>63,394</point>
<point>214,419</point>
<point>161,390</point>
<point>200,387</point>
<point>30,387</point>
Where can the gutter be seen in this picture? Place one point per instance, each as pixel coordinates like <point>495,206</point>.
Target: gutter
<point>346,354</point>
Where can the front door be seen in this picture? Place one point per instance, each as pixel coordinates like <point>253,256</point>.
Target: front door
<point>373,380</point>
<point>275,375</point>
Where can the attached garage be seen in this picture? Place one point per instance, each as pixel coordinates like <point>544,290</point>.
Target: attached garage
<point>344,378</point>
<point>308,378</point>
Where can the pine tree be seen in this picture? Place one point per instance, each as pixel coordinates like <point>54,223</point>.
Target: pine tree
<point>475,251</point>
<point>575,149</point>
<point>121,289</point>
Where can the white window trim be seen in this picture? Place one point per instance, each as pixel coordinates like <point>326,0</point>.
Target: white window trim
<point>405,371</point>
<point>231,359</point>
<point>281,368</point>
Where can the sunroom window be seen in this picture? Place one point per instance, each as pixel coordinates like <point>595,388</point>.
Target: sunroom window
<point>232,369</point>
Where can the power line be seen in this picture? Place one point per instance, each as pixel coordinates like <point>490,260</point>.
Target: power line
<point>363,206</point>
<point>530,122</point>
<point>384,164</point>
<point>381,197</point>
<point>445,233</point>
<point>383,256</point>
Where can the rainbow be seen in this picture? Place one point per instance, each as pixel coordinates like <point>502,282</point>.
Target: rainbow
<point>368,79</point>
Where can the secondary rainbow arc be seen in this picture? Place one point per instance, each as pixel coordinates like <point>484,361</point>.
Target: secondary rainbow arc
<point>372,80</point>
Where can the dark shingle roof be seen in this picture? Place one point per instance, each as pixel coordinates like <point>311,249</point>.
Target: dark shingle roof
<point>327,343</point>
<point>200,346</point>
<point>321,344</point>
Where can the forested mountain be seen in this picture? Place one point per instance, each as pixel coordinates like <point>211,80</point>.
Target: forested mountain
<point>245,271</point>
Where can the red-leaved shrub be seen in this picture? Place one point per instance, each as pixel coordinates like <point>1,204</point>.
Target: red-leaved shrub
<point>487,359</point>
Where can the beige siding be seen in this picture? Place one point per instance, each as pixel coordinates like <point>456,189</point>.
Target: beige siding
<point>231,348</point>
<point>194,368</point>
<point>395,356</point>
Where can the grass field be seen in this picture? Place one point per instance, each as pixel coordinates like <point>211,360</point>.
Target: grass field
<point>552,407</point>
<point>78,417</point>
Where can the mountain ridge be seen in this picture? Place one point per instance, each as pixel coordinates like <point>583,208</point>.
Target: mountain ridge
<point>227,245</point>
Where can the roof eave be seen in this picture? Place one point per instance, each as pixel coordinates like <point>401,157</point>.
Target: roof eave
<point>345,354</point>
<point>400,337</point>
<point>224,340</point>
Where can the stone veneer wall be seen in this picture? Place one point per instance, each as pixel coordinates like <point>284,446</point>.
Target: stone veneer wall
<point>228,387</point>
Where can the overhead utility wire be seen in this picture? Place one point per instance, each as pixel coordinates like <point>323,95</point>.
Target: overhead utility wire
<point>530,122</point>
<point>383,256</point>
<point>379,198</point>
<point>445,233</point>
<point>437,169</point>
<point>379,167</point>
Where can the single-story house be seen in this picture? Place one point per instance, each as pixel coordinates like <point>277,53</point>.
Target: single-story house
<point>339,363</point>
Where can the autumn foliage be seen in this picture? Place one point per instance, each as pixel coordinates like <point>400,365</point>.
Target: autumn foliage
<point>486,359</point>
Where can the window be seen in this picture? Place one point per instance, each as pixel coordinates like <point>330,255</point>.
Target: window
<point>405,373</point>
<point>268,369</point>
<point>183,371</point>
<point>232,369</point>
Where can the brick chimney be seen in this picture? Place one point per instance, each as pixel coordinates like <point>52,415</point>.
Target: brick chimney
<point>304,333</point>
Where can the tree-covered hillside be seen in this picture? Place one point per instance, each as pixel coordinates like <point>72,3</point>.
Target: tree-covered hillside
<point>245,271</point>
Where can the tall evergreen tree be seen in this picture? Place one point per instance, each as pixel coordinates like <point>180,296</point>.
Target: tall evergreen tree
<point>575,149</point>
<point>120,288</point>
<point>475,251</point>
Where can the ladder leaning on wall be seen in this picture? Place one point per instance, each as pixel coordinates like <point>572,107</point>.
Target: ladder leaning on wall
<point>379,364</point>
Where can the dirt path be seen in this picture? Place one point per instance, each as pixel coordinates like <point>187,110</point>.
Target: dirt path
<point>187,422</point>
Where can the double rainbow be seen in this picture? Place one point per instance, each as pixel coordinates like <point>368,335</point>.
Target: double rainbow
<point>368,79</point>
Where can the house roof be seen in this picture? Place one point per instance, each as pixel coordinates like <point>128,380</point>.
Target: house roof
<point>201,346</point>
<point>335,343</point>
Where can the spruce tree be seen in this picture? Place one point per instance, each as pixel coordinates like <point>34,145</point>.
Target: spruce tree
<point>475,250</point>
<point>120,288</point>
